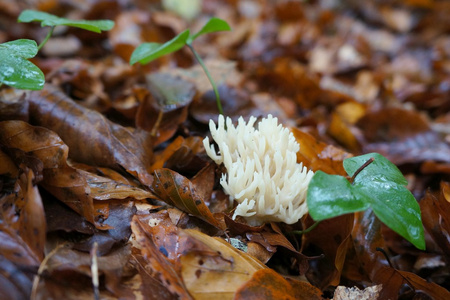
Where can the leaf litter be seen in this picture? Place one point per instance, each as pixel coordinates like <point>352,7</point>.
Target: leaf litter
<point>111,154</point>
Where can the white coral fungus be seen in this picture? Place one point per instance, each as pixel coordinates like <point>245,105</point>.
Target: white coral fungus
<point>263,175</point>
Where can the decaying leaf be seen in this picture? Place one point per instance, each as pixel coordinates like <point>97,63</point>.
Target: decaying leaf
<point>178,191</point>
<point>164,272</point>
<point>268,284</point>
<point>218,272</point>
<point>64,182</point>
<point>91,137</point>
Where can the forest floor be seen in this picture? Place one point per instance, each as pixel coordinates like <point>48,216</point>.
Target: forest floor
<point>107,192</point>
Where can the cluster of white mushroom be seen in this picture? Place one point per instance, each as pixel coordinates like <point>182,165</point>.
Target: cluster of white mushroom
<point>263,175</point>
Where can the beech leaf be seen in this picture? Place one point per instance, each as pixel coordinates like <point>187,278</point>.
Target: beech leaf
<point>179,191</point>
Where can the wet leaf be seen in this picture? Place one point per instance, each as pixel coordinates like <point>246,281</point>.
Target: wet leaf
<point>16,70</point>
<point>380,185</point>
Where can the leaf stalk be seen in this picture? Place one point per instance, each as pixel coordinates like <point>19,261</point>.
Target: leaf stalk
<point>211,80</point>
<point>49,34</point>
<point>307,229</point>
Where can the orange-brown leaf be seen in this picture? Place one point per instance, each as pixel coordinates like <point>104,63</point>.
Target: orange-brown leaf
<point>91,137</point>
<point>63,181</point>
<point>179,191</point>
<point>317,155</point>
<point>163,269</point>
<point>268,284</point>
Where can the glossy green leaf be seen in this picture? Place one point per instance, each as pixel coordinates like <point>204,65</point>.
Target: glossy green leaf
<point>332,195</point>
<point>380,186</point>
<point>380,169</point>
<point>47,19</point>
<point>213,25</point>
<point>15,69</point>
<point>148,52</point>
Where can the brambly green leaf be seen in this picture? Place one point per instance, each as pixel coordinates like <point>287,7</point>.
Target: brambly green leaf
<point>380,186</point>
<point>213,25</point>
<point>148,52</point>
<point>16,70</point>
<point>47,19</point>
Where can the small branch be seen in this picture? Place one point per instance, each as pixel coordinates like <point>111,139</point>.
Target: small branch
<point>94,271</point>
<point>385,255</point>
<point>368,162</point>
<point>49,34</point>
<point>211,80</point>
<point>307,229</point>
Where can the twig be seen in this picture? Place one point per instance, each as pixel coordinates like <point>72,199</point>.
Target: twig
<point>368,162</point>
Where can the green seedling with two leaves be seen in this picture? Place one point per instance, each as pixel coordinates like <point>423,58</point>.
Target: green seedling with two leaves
<point>15,68</point>
<point>374,183</point>
<point>148,52</point>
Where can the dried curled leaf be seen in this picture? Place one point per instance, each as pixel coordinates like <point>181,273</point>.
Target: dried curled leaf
<point>179,191</point>
<point>163,269</point>
<point>63,181</point>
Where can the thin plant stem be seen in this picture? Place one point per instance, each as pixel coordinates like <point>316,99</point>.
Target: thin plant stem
<point>211,80</point>
<point>307,229</point>
<point>49,34</point>
<point>385,255</point>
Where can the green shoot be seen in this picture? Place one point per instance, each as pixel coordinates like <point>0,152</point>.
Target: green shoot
<point>378,185</point>
<point>148,52</point>
<point>15,69</point>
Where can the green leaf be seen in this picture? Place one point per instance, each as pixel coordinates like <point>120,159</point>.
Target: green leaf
<point>148,52</point>
<point>213,25</point>
<point>380,169</point>
<point>47,19</point>
<point>332,195</point>
<point>380,186</point>
<point>16,70</point>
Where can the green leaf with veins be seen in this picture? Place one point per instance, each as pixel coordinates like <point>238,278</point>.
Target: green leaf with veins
<point>380,186</point>
<point>15,69</point>
<point>47,19</point>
